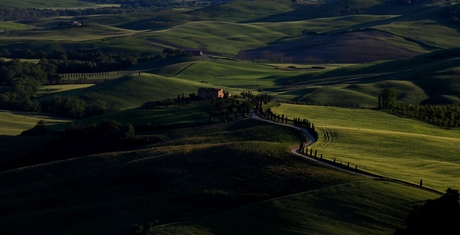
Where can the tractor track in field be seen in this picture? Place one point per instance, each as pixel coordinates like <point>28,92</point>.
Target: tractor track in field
<point>328,136</point>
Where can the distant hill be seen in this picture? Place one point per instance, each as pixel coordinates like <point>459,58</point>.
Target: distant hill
<point>133,90</point>
<point>426,79</point>
<point>347,47</point>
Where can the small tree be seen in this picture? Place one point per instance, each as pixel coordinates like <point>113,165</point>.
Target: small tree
<point>389,97</point>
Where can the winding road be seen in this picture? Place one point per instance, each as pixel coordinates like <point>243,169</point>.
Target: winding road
<point>335,165</point>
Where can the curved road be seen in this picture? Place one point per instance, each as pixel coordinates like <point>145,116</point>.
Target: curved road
<point>311,140</point>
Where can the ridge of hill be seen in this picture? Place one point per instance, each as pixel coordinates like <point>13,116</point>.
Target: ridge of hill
<point>185,176</point>
<point>426,79</point>
<point>134,90</point>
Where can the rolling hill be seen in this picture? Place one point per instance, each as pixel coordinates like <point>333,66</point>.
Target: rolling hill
<point>132,91</point>
<point>238,177</point>
<point>192,173</point>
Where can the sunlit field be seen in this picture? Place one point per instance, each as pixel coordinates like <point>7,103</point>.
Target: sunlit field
<point>381,143</point>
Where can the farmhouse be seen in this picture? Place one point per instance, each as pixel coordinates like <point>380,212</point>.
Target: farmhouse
<point>213,93</point>
<point>194,53</point>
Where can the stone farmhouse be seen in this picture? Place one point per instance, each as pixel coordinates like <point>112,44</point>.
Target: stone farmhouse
<point>213,93</point>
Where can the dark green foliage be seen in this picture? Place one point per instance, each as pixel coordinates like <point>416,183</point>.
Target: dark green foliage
<point>227,107</point>
<point>79,140</point>
<point>79,61</point>
<point>24,79</point>
<point>74,107</point>
<point>38,129</point>
<point>176,179</point>
<point>388,98</point>
<point>168,52</point>
<point>27,13</point>
<point>439,115</point>
<point>438,216</point>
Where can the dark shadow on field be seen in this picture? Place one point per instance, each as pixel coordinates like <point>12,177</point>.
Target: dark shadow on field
<point>338,8</point>
<point>347,47</point>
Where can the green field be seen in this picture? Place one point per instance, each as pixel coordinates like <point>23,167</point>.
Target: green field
<point>367,207</point>
<point>227,165</point>
<point>51,89</point>
<point>132,91</point>
<point>191,113</point>
<point>235,177</point>
<point>45,4</point>
<point>13,123</point>
<point>377,142</point>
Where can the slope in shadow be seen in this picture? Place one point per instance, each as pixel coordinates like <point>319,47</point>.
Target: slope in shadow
<point>350,47</point>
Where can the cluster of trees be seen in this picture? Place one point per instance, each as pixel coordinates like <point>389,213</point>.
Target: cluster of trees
<point>108,128</point>
<point>438,216</point>
<point>11,71</point>
<point>126,7</point>
<point>388,98</point>
<point>77,140</point>
<point>257,101</point>
<point>23,79</point>
<point>231,108</point>
<point>74,107</point>
<point>439,115</point>
<point>82,61</point>
<point>12,14</point>
<point>151,3</point>
<point>309,126</point>
<point>168,52</point>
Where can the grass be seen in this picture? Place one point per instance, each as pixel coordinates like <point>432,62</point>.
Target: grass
<point>376,141</point>
<point>133,91</point>
<point>235,74</point>
<point>434,33</point>
<point>368,207</point>
<point>8,25</point>
<point>95,32</point>
<point>207,35</point>
<point>53,89</point>
<point>189,113</point>
<point>46,4</point>
<point>13,123</point>
<point>191,173</point>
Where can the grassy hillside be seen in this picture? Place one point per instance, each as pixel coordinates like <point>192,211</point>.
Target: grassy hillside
<point>5,25</point>
<point>428,79</point>
<point>45,4</point>
<point>191,173</point>
<point>368,207</point>
<point>95,32</point>
<point>241,10</point>
<point>133,90</point>
<point>235,74</point>
<point>13,123</point>
<point>376,141</point>
<point>190,113</point>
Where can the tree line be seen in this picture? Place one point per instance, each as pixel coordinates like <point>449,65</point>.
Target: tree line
<point>82,61</point>
<point>23,80</point>
<point>438,115</point>
<point>125,7</point>
<point>77,140</point>
<point>13,14</point>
